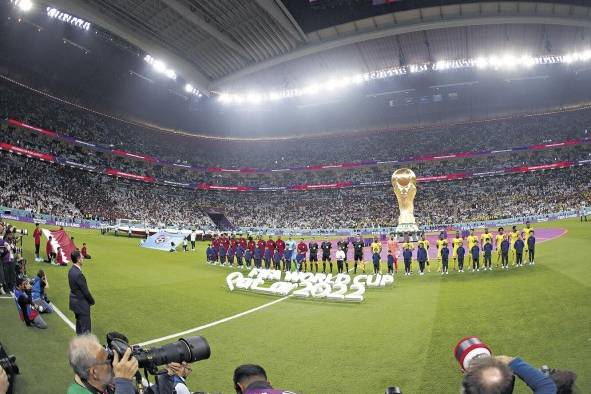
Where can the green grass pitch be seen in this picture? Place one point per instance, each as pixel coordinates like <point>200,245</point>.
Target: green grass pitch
<point>402,335</point>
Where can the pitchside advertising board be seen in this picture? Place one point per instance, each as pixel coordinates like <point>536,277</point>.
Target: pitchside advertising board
<point>315,286</point>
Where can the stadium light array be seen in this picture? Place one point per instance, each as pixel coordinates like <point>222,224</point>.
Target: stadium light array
<point>23,5</point>
<point>500,62</point>
<point>54,13</point>
<point>160,67</point>
<point>190,89</point>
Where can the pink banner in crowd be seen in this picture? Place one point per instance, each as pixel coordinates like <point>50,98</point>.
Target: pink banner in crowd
<point>135,177</point>
<point>16,123</point>
<point>26,152</point>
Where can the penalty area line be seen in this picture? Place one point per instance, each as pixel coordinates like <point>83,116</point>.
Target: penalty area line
<point>215,323</point>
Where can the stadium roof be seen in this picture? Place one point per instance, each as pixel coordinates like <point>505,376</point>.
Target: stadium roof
<point>235,44</point>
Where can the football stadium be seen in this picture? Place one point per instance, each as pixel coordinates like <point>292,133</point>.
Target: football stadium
<point>295,196</point>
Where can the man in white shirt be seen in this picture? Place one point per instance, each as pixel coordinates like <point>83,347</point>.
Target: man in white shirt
<point>340,256</point>
<point>193,238</point>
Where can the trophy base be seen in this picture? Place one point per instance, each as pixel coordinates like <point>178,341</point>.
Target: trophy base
<point>407,228</point>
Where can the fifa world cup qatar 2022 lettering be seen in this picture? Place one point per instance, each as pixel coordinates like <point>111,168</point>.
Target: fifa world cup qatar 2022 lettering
<point>318,286</point>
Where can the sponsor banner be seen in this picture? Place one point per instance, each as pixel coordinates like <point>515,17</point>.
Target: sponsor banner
<point>114,172</point>
<point>180,184</point>
<point>162,240</point>
<point>79,165</point>
<point>26,152</point>
<point>16,123</point>
<point>562,164</point>
<point>28,219</point>
<point>148,159</point>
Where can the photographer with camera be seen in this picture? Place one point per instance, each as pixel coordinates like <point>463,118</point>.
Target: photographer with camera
<point>38,295</point>
<point>28,311</point>
<point>96,372</point>
<point>495,375</point>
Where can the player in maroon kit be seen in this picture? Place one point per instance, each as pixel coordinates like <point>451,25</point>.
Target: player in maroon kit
<point>215,243</point>
<point>37,236</point>
<point>261,245</point>
<point>301,256</point>
<point>280,246</point>
<point>251,245</point>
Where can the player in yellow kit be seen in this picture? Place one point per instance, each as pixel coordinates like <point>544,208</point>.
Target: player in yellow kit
<point>455,243</point>
<point>499,238</point>
<point>472,240</point>
<point>425,242</point>
<point>440,242</point>
<point>527,232</point>
<point>513,236</point>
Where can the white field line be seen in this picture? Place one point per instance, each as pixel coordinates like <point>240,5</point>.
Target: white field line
<point>64,317</point>
<point>215,323</point>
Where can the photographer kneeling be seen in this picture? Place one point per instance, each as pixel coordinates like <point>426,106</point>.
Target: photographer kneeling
<point>95,372</point>
<point>495,375</point>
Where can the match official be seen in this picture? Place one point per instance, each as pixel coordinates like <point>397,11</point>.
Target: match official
<point>80,297</point>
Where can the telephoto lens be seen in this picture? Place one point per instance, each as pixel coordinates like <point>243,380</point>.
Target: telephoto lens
<point>468,349</point>
<point>184,350</point>
<point>393,390</point>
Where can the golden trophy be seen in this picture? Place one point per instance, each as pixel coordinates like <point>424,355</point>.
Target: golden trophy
<point>404,183</point>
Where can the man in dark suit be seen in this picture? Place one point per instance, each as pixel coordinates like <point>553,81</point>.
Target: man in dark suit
<point>80,297</point>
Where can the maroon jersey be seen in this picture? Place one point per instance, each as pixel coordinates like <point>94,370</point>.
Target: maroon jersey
<point>226,243</point>
<point>261,245</point>
<point>215,243</point>
<point>48,248</point>
<point>302,247</point>
<point>251,245</point>
<point>271,246</point>
<point>37,236</point>
<point>280,245</point>
<point>242,243</point>
<point>233,243</point>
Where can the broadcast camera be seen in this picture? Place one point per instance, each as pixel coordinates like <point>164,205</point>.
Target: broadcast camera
<point>8,363</point>
<point>187,350</point>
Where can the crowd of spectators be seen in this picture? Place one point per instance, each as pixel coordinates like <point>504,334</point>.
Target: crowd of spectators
<point>72,193</point>
<point>381,173</point>
<point>384,144</point>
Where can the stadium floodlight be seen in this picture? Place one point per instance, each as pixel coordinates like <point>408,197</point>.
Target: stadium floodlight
<point>312,88</point>
<point>189,88</point>
<point>274,96</point>
<point>506,61</point>
<point>23,5</point>
<point>159,66</point>
<point>254,98</point>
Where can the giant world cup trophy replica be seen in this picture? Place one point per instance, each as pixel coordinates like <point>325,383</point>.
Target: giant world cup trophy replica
<point>404,183</point>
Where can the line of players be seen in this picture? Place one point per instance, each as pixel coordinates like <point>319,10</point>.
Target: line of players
<point>287,255</point>
<point>508,247</point>
<point>301,256</point>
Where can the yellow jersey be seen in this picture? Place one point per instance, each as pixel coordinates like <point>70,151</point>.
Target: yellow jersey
<point>499,239</point>
<point>456,242</point>
<point>527,232</point>
<point>472,239</point>
<point>425,243</point>
<point>376,247</point>
<point>408,245</point>
<point>484,237</point>
<point>513,235</point>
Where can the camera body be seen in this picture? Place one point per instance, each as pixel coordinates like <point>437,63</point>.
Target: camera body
<point>8,363</point>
